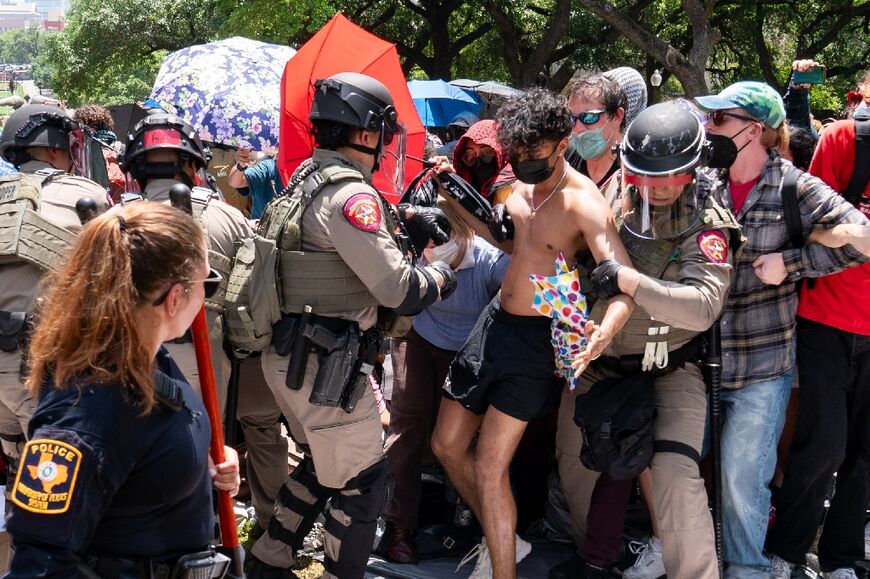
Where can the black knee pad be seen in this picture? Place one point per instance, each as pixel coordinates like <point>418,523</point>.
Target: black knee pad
<point>304,475</point>
<point>361,501</point>
<point>366,495</point>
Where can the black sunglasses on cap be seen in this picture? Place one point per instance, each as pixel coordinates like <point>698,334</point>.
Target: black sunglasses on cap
<point>210,285</point>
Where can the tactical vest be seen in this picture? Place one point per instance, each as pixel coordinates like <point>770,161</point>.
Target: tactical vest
<point>321,280</point>
<point>25,235</point>
<point>271,275</point>
<point>651,258</point>
<point>199,200</point>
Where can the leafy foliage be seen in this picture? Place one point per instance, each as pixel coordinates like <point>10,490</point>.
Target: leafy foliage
<point>110,50</point>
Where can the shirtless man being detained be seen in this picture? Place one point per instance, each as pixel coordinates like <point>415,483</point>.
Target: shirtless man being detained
<point>504,375</point>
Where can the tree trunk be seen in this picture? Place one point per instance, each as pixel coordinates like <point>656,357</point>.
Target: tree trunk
<point>689,69</point>
<point>526,65</point>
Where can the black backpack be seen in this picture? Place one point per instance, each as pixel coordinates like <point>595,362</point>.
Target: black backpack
<point>616,417</point>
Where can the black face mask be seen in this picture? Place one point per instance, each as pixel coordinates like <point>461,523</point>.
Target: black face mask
<point>534,171</point>
<point>723,152</point>
<point>482,171</point>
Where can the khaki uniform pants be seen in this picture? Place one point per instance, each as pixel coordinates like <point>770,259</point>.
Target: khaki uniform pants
<point>341,445</point>
<point>16,404</point>
<point>260,419</point>
<point>684,520</point>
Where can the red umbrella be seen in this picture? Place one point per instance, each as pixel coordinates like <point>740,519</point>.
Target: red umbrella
<point>341,46</point>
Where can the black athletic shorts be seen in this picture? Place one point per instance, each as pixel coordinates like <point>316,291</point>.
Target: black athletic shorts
<point>508,362</point>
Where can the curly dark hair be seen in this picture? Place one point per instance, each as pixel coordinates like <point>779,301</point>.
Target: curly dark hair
<point>526,121</point>
<point>94,116</point>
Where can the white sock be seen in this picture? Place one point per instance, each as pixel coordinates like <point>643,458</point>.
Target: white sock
<point>655,544</point>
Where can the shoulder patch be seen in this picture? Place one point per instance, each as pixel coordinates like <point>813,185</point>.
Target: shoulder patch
<point>713,245</point>
<point>46,478</point>
<point>363,211</point>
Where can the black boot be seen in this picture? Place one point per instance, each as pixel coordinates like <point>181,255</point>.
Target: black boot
<point>260,570</point>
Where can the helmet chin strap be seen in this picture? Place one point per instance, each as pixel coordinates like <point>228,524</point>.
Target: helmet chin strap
<point>373,151</point>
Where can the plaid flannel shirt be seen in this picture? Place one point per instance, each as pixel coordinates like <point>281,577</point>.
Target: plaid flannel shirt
<point>758,324</point>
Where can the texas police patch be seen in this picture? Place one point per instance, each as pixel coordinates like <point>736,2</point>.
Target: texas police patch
<point>713,245</point>
<point>363,212</point>
<point>47,477</point>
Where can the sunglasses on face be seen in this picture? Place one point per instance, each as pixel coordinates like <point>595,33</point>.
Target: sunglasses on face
<point>470,157</point>
<point>588,117</point>
<point>210,286</point>
<point>718,117</point>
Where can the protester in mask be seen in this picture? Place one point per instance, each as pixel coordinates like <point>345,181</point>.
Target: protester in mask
<point>746,126</point>
<point>598,106</point>
<point>503,377</point>
<point>457,127</point>
<point>478,158</point>
<point>438,332</point>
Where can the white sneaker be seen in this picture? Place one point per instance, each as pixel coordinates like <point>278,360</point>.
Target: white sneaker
<point>780,568</point>
<point>649,564</point>
<point>483,567</point>
<point>523,548</point>
<point>841,573</point>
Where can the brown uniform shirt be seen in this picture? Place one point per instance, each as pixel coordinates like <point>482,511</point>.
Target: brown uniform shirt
<point>224,225</point>
<point>688,298</point>
<point>334,222</point>
<point>18,282</point>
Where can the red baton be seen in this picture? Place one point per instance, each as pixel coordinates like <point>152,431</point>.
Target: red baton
<point>229,534</point>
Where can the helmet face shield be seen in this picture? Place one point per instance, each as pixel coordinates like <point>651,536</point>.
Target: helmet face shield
<point>390,176</point>
<point>660,207</point>
<point>80,152</point>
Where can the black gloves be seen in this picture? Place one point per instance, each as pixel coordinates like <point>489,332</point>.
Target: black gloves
<point>500,224</point>
<point>604,278</point>
<point>426,223</point>
<point>449,286</point>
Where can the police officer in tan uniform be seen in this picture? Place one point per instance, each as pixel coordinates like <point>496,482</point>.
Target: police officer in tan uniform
<point>37,222</point>
<point>163,152</point>
<point>348,263</point>
<point>681,243</point>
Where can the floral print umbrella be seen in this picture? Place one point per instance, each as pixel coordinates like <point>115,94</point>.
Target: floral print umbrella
<point>229,90</point>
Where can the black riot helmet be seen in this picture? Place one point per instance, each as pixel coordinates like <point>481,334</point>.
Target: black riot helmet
<point>661,149</point>
<point>350,99</point>
<point>163,131</point>
<point>354,99</point>
<point>35,126</point>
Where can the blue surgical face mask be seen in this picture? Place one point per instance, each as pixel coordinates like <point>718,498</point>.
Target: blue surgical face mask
<point>590,144</point>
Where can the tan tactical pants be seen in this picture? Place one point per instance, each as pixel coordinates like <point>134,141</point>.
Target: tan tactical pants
<point>684,520</point>
<point>260,419</point>
<point>16,405</point>
<point>341,446</point>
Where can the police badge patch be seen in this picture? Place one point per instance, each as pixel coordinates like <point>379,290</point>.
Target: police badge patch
<point>713,245</point>
<point>363,212</point>
<point>47,476</point>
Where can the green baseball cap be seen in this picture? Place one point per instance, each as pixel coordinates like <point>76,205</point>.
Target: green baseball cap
<point>758,99</point>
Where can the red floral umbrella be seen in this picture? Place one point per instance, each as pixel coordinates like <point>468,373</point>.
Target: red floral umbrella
<point>341,46</point>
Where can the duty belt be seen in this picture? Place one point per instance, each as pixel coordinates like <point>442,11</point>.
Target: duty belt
<point>202,565</point>
<point>632,364</point>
